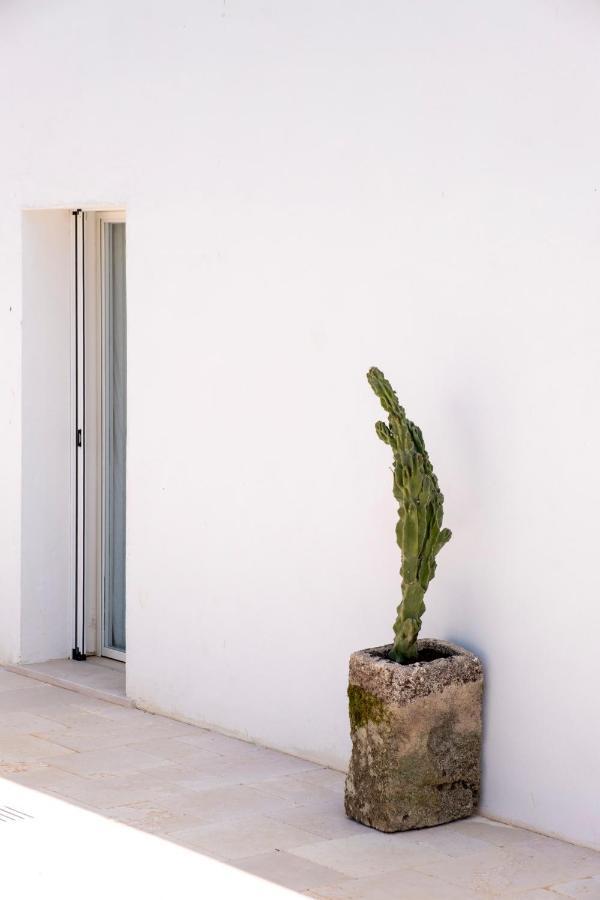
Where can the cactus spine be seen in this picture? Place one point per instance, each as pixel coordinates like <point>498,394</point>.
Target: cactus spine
<point>419,531</point>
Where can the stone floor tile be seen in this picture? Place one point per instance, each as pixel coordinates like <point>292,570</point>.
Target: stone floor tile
<point>25,748</point>
<point>10,681</point>
<point>237,748</point>
<point>222,771</point>
<point>542,850</point>
<point>155,727</point>
<point>150,725</point>
<point>112,761</point>
<point>278,765</point>
<point>369,854</point>
<point>197,778</point>
<point>496,833</point>
<point>118,713</point>
<point>326,819</point>
<point>152,817</point>
<point>519,869</point>
<point>536,894</point>
<point>10,770</point>
<point>222,744</point>
<point>295,763</point>
<point>93,737</point>
<point>334,891</point>
<point>44,777</point>
<point>173,749</point>
<point>404,885</point>
<point>581,887</point>
<point>448,840</point>
<point>281,867</point>
<point>30,723</point>
<point>33,698</point>
<point>88,715</point>
<point>294,788</point>
<point>255,770</point>
<point>72,715</point>
<point>213,777</point>
<point>69,712</point>
<point>218,804</point>
<point>95,715</point>
<point>466,872</point>
<point>239,838</point>
<point>114,791</point>
<point>264,759</point>
<point>327,778</point>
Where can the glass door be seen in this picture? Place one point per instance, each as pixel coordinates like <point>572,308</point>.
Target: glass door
<point>114,434</point>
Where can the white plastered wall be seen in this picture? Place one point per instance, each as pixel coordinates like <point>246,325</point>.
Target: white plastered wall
<point>48,436</point>
<point>312,189</point>
<point>10,443</point>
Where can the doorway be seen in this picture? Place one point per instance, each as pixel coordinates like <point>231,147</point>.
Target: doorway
<point>114,433</point>
<point>101,434</point>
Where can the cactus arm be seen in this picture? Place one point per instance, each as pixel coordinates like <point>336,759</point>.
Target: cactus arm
<point>419,531</point>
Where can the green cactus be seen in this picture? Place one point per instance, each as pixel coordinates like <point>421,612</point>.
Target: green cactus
<point>419,531</point>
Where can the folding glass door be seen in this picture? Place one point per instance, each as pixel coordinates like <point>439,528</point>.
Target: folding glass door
<point>100,402</point>
<point>114,434</point>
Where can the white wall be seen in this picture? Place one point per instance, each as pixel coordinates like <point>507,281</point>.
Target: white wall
<point>47,433</point>
<point>10,441</point>
<point>313,188</point>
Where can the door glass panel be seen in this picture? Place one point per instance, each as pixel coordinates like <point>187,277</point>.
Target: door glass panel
<point>115,429</point>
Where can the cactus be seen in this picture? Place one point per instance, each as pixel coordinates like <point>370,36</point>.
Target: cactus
<point>419,531</point>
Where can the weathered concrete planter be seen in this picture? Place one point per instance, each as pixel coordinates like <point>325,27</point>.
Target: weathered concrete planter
<point>416,737</point>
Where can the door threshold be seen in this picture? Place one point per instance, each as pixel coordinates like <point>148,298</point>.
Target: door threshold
<point>97,677</point>
<point>117,664</point>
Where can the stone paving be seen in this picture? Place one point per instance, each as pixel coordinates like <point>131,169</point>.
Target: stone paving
<point>259,811</point>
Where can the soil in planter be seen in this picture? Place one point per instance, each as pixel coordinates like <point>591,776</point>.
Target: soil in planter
<point>428,654</point>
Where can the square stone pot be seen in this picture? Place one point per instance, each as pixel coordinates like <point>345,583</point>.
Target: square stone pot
<point>416,737</point>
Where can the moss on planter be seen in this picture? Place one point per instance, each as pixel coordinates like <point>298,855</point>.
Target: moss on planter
<point>364,707</point>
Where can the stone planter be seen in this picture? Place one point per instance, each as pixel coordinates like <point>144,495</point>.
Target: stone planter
<point>416,737</point>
